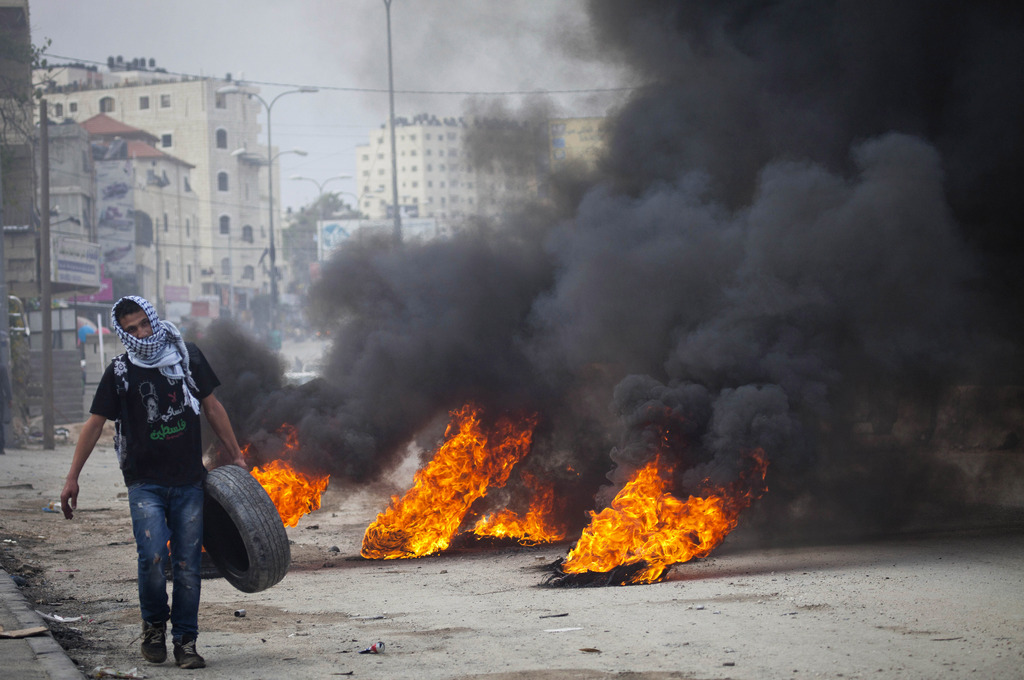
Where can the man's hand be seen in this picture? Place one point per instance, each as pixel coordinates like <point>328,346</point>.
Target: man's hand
<point>69,498</point>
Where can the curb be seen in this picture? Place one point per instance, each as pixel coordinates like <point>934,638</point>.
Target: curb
<point>50,656</point>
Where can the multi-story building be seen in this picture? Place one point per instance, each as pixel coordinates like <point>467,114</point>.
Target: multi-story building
<point>139,188</point>
<point>576,141</point>
<point>447,170</point>
<point>192,123</point>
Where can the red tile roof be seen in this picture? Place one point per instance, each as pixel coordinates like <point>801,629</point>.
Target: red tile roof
<point>102,125</point>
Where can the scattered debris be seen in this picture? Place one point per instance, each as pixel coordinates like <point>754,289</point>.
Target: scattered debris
<point>110,672</point>
<point>375,648</point>
<point>19,580</point>
<point>552,616</point>
<point>560,630</point>
<point>240,613</point>
<point>52,506</point>
<point>334,549</point>
<point>59,619</point>
<point>590,650</point>
<point>23,632</point>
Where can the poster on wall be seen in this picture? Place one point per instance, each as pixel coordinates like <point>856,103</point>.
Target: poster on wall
<point>116,225</point>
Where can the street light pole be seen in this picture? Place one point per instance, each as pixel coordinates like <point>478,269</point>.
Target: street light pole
<point>394,152</point>
<point>231,89</point>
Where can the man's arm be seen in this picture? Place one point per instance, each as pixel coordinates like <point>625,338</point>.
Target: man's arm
<point>221,424</point>
<point>91,432</point>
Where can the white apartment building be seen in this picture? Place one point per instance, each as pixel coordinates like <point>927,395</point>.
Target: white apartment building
<point>437,177</point>
<point>193,123</point>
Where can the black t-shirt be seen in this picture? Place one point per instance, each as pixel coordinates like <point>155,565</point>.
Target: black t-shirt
<point>159,433</point>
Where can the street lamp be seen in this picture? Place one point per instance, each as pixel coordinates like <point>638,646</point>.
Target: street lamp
<point>244,155</point>
<point>394,152</point>
<point>233,89</point>
<point>320,203</point>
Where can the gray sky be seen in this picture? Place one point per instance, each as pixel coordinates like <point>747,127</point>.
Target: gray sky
<point>439,46</point>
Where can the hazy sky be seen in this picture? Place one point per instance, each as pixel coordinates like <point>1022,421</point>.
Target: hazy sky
<point>440,48</point>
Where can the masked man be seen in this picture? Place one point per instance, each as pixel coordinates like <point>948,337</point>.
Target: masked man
<point>154,392</point>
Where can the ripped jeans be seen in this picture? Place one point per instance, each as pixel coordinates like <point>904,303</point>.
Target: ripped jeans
<point>161,514</point>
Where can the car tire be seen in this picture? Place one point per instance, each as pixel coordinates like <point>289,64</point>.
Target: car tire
<point>242,530</point>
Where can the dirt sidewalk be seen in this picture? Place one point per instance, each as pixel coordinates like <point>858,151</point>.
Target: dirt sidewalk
<point>938,606</point>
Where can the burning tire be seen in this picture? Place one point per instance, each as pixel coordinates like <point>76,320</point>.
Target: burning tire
<point>242,530</point>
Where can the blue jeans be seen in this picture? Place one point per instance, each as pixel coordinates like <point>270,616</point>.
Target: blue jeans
<point>161,514</point>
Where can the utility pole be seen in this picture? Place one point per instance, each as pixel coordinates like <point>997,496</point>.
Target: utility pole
<point>394,151</point>
<point>45,274</point>
<point>5,330</point>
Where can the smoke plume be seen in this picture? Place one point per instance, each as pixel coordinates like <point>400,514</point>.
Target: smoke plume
<point>805,227</point>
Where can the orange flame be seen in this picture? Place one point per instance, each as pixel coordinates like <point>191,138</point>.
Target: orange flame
<point>647,524</point>
<point>539,524</point>
<point>469,462</point>
<point>294,493</point>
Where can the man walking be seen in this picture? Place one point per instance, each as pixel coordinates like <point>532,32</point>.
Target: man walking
<point>154,392</point>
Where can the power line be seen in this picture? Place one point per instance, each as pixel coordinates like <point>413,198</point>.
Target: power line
<point>373,90</point>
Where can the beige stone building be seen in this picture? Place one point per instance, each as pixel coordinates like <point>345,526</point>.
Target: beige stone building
<point>224,233</point>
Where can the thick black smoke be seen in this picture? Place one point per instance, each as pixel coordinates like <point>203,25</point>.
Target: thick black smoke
<point>806,225</point>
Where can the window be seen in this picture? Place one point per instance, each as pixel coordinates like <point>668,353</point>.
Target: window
<point>188,187</point>
<point>143,103</point>
<point>222,181</point>
<point>247,234</point>
<point>73,107</point>
<point>225,266</point>
<point>107,105</point>
<point>188,269</point>
<point>366,156</point>
<point>222,139</point>
<point>428,152</point>
<point>166,223</point>
<point>58,110</point>
<point>165,101</point>
<point>413,152</point>
<point>366,173</point>
<point>249,272</point>
<point>221,101</point>
<point>225,224</point>
<point>167,270</point>
<point>165,140</point>
<point>188,229</point>
<point>426,136</point>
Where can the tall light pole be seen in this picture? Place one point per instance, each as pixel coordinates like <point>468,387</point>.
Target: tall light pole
<point>246,156</point>
<point>320,204</point>
<point>231,89</point>
<point>394,152</point>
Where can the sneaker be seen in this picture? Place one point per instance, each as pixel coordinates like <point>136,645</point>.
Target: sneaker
<point>185,654</point>
<point>154,641</point>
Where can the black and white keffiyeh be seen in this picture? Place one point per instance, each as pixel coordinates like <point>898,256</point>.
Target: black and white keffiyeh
<point>164,349</point>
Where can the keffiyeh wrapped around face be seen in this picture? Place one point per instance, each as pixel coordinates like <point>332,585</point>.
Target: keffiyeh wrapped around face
<point>164,348</point>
